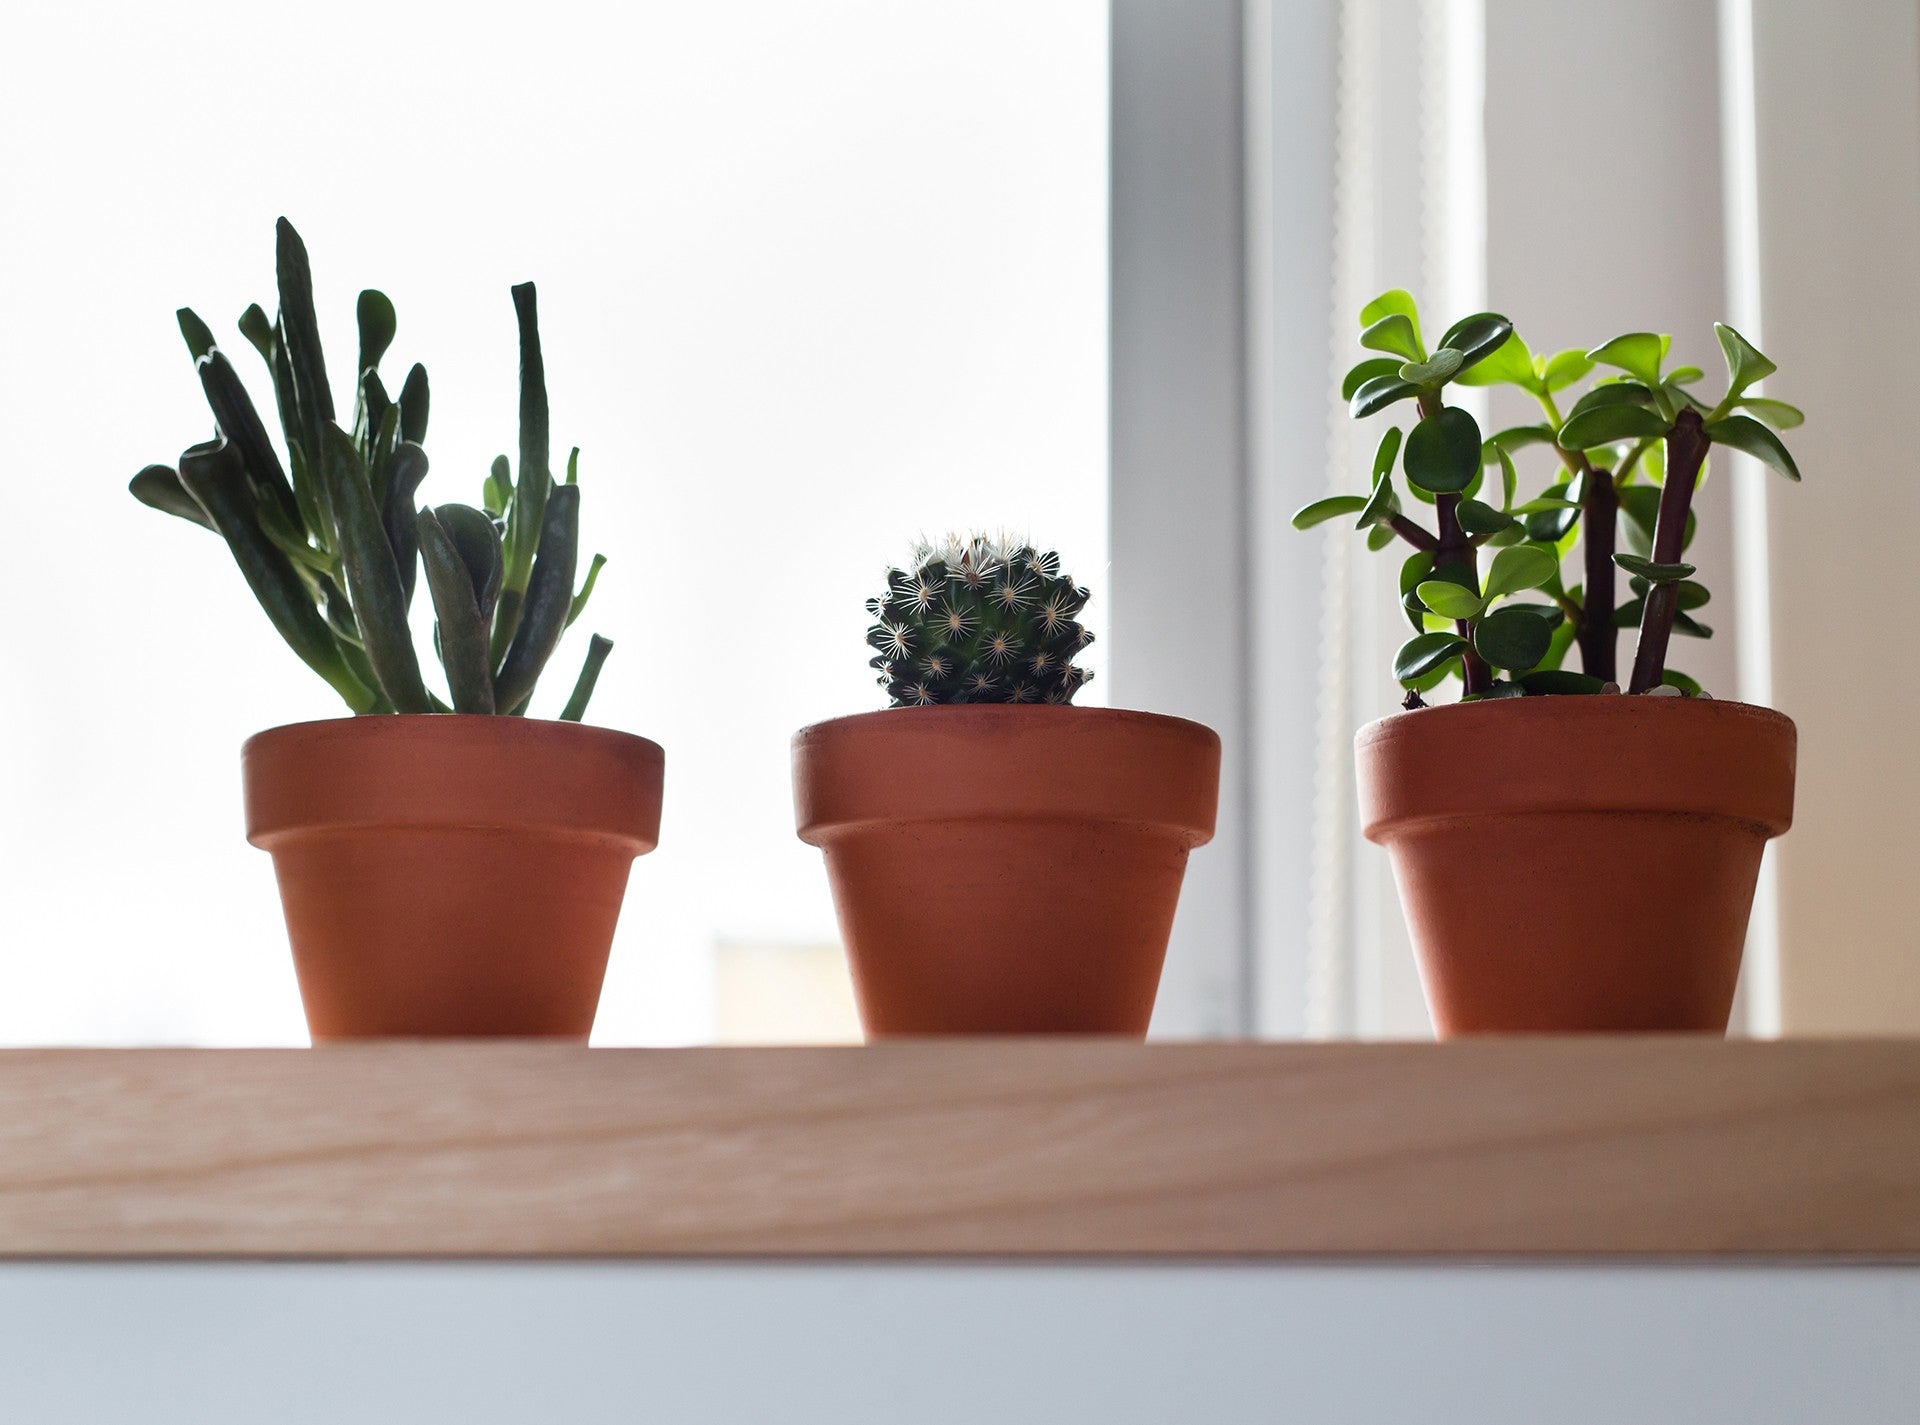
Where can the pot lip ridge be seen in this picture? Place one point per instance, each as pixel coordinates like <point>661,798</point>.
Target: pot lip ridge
<point>1492,711</point>
<point>374,727</point>
<point>950,717</point>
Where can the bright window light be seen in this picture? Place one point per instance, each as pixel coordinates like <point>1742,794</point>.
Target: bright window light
<point>814,278</point>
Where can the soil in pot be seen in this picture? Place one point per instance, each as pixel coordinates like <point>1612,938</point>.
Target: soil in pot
<point>1578,864</point>
<point>451,875</point>
<point>1006,870</point>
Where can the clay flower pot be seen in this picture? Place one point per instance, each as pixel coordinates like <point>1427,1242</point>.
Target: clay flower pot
<point>1006,870</point>
<point>451,875</point>
<point>1580,864</point>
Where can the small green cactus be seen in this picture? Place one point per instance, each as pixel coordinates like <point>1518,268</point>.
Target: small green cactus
<point>979,620</point>
<point>331,542</point>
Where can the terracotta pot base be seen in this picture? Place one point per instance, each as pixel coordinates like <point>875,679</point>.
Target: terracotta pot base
<point>1578,864</point>
<point>1006,870</point>
<point>450,875</point>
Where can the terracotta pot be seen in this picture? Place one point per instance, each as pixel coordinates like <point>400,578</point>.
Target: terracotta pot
<point>1580,864</point>
<point>450,875</point>
<point>1006,870</point>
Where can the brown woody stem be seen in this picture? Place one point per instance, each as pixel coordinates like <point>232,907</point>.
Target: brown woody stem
<point>1599,519</point>
<point>1687,446</point>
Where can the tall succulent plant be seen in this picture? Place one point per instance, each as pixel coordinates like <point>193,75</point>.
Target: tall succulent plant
<point>1632,450</point>
<point>331,542</point>
<point>979,620</point>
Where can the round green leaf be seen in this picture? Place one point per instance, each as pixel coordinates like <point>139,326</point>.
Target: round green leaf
<point>1777,414</point>
<point>1689,625</point>
<point>1379,537</point>
<point>1381,506</point>
<point>1477,337</point>
<point>1384,453</point>
<point>1564,368</point>
<point>1320,511</point>
<point>1366,371</point>
<point>1512,638</point>
<point>1422,655</point>
<point>1519,438</point>
<point>1418,566</point>
<point>1525,566</point>
<point>1745,364</point>
<point>1639,354</point>
<point>1393,333</point>
<point>1450,600</point>
<point>1435,370</point>
<point>1395,299</point>
<point>1684,376</point>
<point>1746,434</point>
<point>1509,363</point>
<point>1609,424</point>
<point>1651,572</point>
<point>1676,679</point>
<point>1478,518</point>
<point>1557,682</point>
<point>1378,392</point>
<point>1443,451</point>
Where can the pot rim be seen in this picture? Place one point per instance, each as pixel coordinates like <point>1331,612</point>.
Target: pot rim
<point>465,770</point>
<point>1682,756</point>
<point>1146,770</point>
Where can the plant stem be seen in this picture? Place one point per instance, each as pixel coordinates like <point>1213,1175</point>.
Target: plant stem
<point>1687,445</point>
<point>1599,520</point>
<point>1412,533</point>
<point>1455,547</point>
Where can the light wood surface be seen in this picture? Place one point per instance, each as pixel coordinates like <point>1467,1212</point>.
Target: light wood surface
<point>1597,1147</point>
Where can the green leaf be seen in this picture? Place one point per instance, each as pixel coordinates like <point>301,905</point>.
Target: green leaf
<point>549,599</point>
<point>1478,337</point>
<point>1777,414</point>
<point>1744,433</point>
<point>199,338</point>
<point>1399,302</point>
<point>1378,393</point>
<point>1617,391</point>
<point>1683,376</point>
<point>1564,368</point>
<point>586,588</point>
<point>1640,508</point>
<point>1393,333</point>
<point>1366,371</point>
<point>1509,477</point>
<point>1609,424</point>
<point>1509,363</point>
<point>414,401</point>
<point>1524,566</point>
<point>1379,537</point>
<point>1512,638</point>
<point>1520,437</point>
<point>497,492</point>
<point>1450,600</point>
<point>526,515</point>
<point>1320,511</point>
<point>461,632</point>
<point>1559,683</point>
<point>255,327</point>
<point>597,650</point>
<point>1478,518</point>
<point>1413,572</point>
<point>1639,354</point>
<point>377,322</point>
<point>477,542</point>
<point>1384,453</point>
<point>1381,507</point>
<point>1745,364</point>
<point>1443,451</point>
<point>1552,615</point>
<point>1422,655</point>
<point>1435,370</point>
<point>1692,627</point>
<point>1550,515</point>
<point>1676,679</point>
<point>373,577</point>
<point>158,487</point>
<point>1651,572</point>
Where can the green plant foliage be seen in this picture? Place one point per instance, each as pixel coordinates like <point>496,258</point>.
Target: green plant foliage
<point>1634,421</point>
<point>330,541</point>
<point>979,620</point>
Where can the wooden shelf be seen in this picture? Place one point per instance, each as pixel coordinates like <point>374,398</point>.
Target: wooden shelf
<point>1565,1148</point>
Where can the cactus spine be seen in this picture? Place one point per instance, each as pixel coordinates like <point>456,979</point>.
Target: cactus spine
<point>978,620</point>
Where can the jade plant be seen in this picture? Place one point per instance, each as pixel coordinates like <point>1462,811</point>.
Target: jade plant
<point>1631,450</point>
<point>979,620</point>
<point>330,541</point>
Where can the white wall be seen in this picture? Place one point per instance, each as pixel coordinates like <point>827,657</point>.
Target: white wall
<point>752,1344</point>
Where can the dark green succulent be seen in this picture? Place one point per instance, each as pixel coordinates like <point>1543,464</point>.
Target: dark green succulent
<point>1632,450</point>
<point>979,621</point>
<point>331,542</point>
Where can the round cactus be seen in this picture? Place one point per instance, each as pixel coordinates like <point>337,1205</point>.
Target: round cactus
<point>979,620</point>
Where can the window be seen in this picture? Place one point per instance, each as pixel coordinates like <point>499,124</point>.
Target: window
<point>813,279</point>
